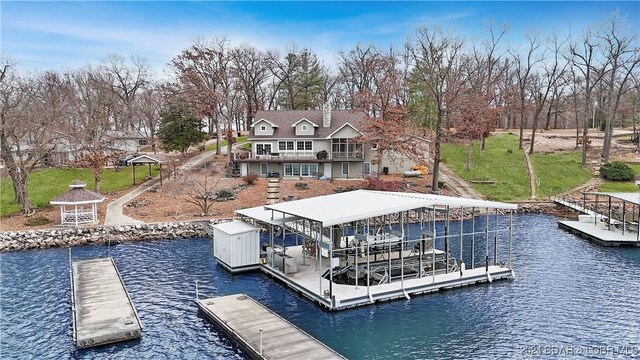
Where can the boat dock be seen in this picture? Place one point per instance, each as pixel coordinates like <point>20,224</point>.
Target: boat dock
<point>260,332</point>
<point>599,232</point>
<point>101,307</point>
<point>616,226</point>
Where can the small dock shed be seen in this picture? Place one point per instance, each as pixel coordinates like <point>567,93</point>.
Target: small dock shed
<point>236,246</point>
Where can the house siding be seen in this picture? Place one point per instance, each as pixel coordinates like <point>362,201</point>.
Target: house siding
<point>345,133</point>
<point>257,129</point>
<point>310,129</point>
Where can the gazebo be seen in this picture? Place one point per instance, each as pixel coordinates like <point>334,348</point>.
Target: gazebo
<point>78,205</point>
<point>145,159</point>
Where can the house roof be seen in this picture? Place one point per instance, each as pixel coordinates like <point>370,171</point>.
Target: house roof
<point>147,159</point>
<point>283,119</point>
<point>304,119</point>
<point>77,195</point>
<point>341,127</point>
<point>265,120</point>
<point>362,204</point>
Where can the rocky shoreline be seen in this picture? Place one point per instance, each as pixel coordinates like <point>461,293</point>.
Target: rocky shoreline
<point>66,237</point>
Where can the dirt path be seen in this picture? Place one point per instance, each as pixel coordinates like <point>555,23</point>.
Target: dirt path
<point>532,175</point>
<point>457,184</point>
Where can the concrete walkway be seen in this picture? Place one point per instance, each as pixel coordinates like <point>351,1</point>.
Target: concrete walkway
<point>114,215</point>
<point>457,184</point>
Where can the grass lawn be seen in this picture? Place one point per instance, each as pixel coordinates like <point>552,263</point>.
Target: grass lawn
<point>239,140</point>
<point>621,186</point>
<point>558,173</point>
<point>44,185</point>
<point>508,170</point>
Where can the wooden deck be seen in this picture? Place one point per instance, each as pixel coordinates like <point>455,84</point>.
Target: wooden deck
<point>243,318</point>
<point>101,308</point>
<point>598,232</point>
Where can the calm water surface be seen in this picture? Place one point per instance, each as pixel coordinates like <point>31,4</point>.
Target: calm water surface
<point>568,292</point>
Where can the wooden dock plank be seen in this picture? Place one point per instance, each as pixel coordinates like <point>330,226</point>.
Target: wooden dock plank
<point>102,310</point>
<point>242,318</point>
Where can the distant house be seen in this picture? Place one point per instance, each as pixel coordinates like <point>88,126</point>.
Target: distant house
<point>312,143</point>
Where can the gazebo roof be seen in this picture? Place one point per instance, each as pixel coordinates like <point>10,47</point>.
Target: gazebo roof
<point>147,159</point>
<point>78,195</point>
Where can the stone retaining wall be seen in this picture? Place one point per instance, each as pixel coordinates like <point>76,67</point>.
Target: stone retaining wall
<point>62,237</point>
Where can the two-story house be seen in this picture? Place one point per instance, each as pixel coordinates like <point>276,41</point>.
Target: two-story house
<point>311,143</point>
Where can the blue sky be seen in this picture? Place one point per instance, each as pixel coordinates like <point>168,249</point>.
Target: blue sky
<point>58,35</point>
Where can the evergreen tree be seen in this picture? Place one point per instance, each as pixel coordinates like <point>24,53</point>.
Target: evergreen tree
<point>179,129</point>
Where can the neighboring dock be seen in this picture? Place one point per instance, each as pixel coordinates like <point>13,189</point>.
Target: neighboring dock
<point>617,225</point>
<point>101,308</point>
<point>260,332</point>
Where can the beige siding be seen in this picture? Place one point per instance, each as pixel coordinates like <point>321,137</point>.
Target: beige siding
<point>257,129</point>
<point>355,170</point>
<point>345,133</point>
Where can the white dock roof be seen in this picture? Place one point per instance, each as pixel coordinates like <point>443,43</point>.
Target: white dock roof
<point>361,204</point>
<point>632,197</point>
<point>235,227</point>
<point>266,216</point>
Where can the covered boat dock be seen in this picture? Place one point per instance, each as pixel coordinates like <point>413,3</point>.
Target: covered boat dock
<point>611,218</point>
<point>360,247</point>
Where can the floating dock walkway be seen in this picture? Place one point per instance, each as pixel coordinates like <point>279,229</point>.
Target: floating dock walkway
<point>260,332</point>
<point>101,308</point>
<point>604,229</point>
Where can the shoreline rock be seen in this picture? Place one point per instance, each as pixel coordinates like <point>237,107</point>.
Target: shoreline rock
<point>67,237</point>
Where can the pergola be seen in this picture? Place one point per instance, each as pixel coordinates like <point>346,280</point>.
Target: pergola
<point>146,160</point>
<point>78,205</point>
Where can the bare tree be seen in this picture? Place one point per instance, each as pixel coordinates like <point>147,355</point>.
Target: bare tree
<point>542,85</point>
<point>90,122</point>
<point>380,97</point>
<point>126,81</point>
<point>583,60</point>
<point>29,110</point>
<point>622,57</point>
<point>436,58</point>
<point>525,63</point>
<point>250,69</point>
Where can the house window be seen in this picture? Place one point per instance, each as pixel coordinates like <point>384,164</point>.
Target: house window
<point>264,169</point>
<point>291,169</point>
<point>304,127</point>
<point>304,145</point>
<point>263,128</point>
<point>345,168</point>
<point>308,169</point>
<point>263,149</point>
<point>366,168</point>
<point>285,145</point>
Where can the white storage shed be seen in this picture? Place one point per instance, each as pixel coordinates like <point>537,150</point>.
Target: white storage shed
<point>236,246</point>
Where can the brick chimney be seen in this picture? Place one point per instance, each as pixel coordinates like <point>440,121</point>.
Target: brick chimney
<point>326,115</point>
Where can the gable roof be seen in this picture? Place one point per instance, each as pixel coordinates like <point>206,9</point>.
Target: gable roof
<point>341,127</point>
<point>285,118</point>
<point>265,120</point>
<point>147,159</point>
<point>304,119</point>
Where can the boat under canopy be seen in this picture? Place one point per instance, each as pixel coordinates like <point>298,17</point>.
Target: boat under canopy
<point>357,247</point>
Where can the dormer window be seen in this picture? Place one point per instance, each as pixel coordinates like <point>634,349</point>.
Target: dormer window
<point>304,127</point>
<point>263,128</point>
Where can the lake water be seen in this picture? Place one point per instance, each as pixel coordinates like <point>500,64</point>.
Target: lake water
<point>569,295</point>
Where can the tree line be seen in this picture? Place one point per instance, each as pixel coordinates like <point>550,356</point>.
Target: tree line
<point>436,86</point>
